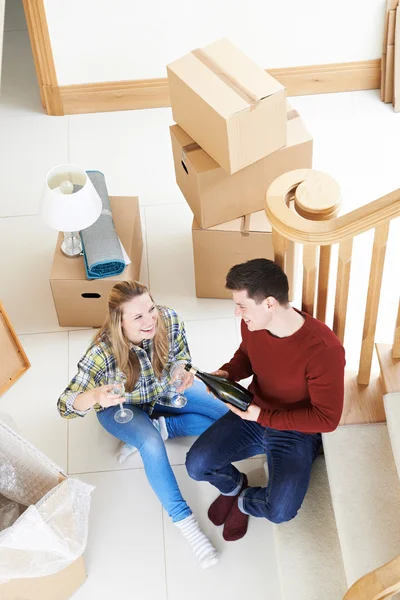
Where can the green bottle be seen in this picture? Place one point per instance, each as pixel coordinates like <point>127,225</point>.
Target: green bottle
<point>225,390</point>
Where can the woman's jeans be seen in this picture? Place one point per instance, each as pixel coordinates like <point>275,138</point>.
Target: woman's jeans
<point>201,411</point>
<point>290,455</point>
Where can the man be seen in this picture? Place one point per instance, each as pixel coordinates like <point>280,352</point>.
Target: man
<point>297,364</point>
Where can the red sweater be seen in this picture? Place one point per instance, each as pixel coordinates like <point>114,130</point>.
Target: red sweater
<point>298,381</point>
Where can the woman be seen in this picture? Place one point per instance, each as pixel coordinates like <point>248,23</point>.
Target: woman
<point>144,341</point>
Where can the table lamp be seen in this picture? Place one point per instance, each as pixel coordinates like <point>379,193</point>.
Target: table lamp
<point>70,203</point>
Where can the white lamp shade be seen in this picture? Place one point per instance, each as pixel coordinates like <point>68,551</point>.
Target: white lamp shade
<point>69,211</point>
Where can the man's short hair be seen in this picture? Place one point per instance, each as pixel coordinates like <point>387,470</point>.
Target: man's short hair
<point>260,278</point>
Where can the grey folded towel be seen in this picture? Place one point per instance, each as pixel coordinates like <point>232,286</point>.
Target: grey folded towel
<point>101,248</point>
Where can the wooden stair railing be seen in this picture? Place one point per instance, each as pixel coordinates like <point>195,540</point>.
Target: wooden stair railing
<point>313,223</point>
<point>380,584</point>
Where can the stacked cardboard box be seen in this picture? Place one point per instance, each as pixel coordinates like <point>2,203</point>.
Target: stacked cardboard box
<point>235,134</point>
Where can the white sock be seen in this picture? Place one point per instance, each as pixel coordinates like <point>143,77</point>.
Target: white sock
<point>161,425</point>
<point>124,450</point>
<point>201,545</point>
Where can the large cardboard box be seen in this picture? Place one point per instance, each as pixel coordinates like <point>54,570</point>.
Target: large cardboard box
<point>229,105</point>
<point>81,302</point>
<point>219,248</point>
<point>216,197</point>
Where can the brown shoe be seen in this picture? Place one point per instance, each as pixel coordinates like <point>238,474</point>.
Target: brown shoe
<point>221,507</point>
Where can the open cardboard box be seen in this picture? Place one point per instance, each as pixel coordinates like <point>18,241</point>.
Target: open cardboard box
<point>61,585</point>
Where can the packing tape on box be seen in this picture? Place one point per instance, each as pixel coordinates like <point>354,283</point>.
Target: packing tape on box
<point>292,114</point>
<point>226,77</point>
<point>245,225</point>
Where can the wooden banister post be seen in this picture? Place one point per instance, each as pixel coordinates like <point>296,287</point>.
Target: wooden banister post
<point>317,199</point>
<point>396,341</point>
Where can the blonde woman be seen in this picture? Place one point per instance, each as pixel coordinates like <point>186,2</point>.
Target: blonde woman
<point>144,341</point>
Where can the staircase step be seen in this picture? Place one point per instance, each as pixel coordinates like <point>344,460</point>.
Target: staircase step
<point>308,550</point>
<point>390,368</point>
<point>365,493</point>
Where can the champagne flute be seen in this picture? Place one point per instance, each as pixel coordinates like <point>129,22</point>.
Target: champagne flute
<point>177,374</point>
<point>123,415</point>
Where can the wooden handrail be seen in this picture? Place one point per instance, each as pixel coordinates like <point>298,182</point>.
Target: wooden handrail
<point>379,584</point>
<point>323,233</point>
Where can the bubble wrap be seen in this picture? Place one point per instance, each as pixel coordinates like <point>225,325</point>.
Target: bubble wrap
<point>52,532</point>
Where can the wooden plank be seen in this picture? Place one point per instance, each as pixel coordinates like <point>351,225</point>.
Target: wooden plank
<point>362,403</point>
<point>389,74</point>
<point>280,245</point>
<point>13,359</point>
<point>390,368</point>
<point>371,311</point>
<point>378,584</point>
<point>342,287</point>
<point>396,59</point>
<point>323,281</point>
<point>153,93</point>
<point>396,341</point>
<point>309,279</point>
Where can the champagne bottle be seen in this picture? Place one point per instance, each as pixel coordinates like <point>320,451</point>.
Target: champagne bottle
<point>225,390</point>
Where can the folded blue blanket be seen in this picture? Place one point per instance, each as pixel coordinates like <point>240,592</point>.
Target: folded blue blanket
<point>101,248</point>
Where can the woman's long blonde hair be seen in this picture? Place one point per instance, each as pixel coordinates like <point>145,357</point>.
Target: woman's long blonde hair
<point>113,332</point>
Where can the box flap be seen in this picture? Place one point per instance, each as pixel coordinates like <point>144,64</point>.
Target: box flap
<point>225,78</point>
<point>13,360</point>
<point>257,223</point>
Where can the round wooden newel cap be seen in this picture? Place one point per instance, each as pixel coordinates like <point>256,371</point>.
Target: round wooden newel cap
<point>317,197</point>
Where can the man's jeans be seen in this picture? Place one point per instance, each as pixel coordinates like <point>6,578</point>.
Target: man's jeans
<point>290,455</point>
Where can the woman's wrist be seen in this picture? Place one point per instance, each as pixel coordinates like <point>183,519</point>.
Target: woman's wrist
<point>85,400</point>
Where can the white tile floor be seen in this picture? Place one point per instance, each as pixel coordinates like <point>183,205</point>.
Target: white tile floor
<point>135,552</point>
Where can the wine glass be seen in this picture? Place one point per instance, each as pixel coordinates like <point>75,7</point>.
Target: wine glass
<point>178,372</point>
<point>123,415</point>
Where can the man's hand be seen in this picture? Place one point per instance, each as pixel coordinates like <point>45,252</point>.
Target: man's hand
<point>251,414</point>
<point>218,373</point>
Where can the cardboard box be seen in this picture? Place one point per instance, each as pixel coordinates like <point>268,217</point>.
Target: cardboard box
<point>13,360</point>
<point>216,197</point>
<point>83,303</point>
<point>230,106</point>
<point>47,534</point>
<point>219,248</point>
<point>59,586</point>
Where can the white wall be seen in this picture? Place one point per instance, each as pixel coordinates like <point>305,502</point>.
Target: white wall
<point>2,10</point>
<point>110,40</point>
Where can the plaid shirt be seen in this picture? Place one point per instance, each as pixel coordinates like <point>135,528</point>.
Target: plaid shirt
<point>98,364</point>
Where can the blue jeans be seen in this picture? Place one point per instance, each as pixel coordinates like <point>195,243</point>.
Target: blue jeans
<point>201,411</point>
<point>290,455</point>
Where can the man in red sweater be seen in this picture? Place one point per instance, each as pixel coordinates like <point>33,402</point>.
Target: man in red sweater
<point>297,364</point>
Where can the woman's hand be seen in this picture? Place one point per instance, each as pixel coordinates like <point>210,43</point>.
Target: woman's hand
<point>104,397</point>
<point>187,379</point>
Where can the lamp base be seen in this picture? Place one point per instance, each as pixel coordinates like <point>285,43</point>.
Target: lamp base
<point>72,245</point>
